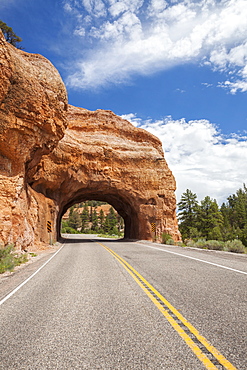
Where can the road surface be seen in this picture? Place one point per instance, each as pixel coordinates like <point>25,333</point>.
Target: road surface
<point>106,304</point>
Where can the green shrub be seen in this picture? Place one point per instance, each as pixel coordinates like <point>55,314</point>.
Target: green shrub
<point>229,246</point>
<point>6,258</point>
<point>170,242</point>
<point>190,243</point>
<point>33,254</point>
<point>200,243</point>
<point>235,246</point>
<point>165,238</point>
<point>23,258</point>
<point>69,230</point>
<point>214,245</point>
<point>9,259</point>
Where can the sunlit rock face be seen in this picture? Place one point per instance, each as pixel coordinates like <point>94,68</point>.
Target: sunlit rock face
<point>104,157</point>
<point>33,105</point>
<point>53,156</point>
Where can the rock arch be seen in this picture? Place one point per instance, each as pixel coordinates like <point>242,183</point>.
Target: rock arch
<point>53,155</point>
<point>104,157</point>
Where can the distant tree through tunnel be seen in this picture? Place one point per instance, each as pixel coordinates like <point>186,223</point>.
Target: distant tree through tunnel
<point>92,217</point>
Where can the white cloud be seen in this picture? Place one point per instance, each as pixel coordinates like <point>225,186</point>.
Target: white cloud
<point>67,7</point>
<point>130,37</point>
<point>238,85</point>
<point>129,24</point>
<point>206,84</point>
<point>200,158</point>
<point>95,7</point>
<point>118,7</point>
<point>80,31</point>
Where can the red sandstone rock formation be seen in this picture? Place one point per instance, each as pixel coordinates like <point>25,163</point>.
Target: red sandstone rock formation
<point>45,168</point>
<point>33,104</point>
<point>104,157</point>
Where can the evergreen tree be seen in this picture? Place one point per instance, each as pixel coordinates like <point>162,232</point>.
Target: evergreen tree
<point>243,236</point>
<point>106,226</point>
<point>95,224</point>
<point>111,222</point>
<point>235,216</point>
<point>101,219</point>
<point>210,219</point>
<point>84,217</point>
<point>112,218</point>
<point>74,220</point>
<point>226,228</point>
<point>188,208</point>
<point>9,34</point>
<point>71,210</point>
<point>238,204</point>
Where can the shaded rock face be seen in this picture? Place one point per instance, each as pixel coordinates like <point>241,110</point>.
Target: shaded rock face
<point>53,156</point>
<point>33,105</point>
<point>104,157</point>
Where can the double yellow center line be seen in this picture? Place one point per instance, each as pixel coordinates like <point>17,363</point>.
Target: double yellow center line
<point>211,358</point>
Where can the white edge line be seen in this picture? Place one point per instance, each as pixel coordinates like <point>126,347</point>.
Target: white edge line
<point>30,277</point>
<point>196,259</point>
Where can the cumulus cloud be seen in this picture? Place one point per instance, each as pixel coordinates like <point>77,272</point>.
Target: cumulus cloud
<point>130,37</point>
<point>200,157</point>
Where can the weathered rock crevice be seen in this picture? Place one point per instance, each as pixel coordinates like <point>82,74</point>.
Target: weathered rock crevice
<point>53,155</point>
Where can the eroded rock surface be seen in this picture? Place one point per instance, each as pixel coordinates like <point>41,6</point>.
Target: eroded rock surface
<point>104,157</point>
<point>33,104</point>
<point>45,167</point>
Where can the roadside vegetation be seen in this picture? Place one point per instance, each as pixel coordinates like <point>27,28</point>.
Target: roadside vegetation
<point>89,218</point>
<point>9,259</point>
<point>208,226</point>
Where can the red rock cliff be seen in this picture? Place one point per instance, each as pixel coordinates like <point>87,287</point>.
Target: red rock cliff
<point>33,104</point>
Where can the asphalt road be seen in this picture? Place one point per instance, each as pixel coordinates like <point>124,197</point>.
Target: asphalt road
<point>100,304</point>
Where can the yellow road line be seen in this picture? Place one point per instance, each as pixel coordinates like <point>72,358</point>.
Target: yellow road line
<point>187,331</point>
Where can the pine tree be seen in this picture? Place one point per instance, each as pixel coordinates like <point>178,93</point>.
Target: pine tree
<point>95,224</point>
<point>101,219</point>
<point>240,208</point>
<point>106,226</point>
<point>235,215</point>
<point>188,208</point>
<point>112,221</point>
<point>84,217</point>
<point>210,219</point>
<point>226,228</point>
<point>9,34</point>
<point>74,220</point>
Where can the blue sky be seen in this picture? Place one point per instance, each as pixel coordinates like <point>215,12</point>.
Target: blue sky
<point>176,68</point>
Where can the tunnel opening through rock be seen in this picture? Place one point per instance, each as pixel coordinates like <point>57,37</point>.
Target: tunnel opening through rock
<point>122,209</point>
